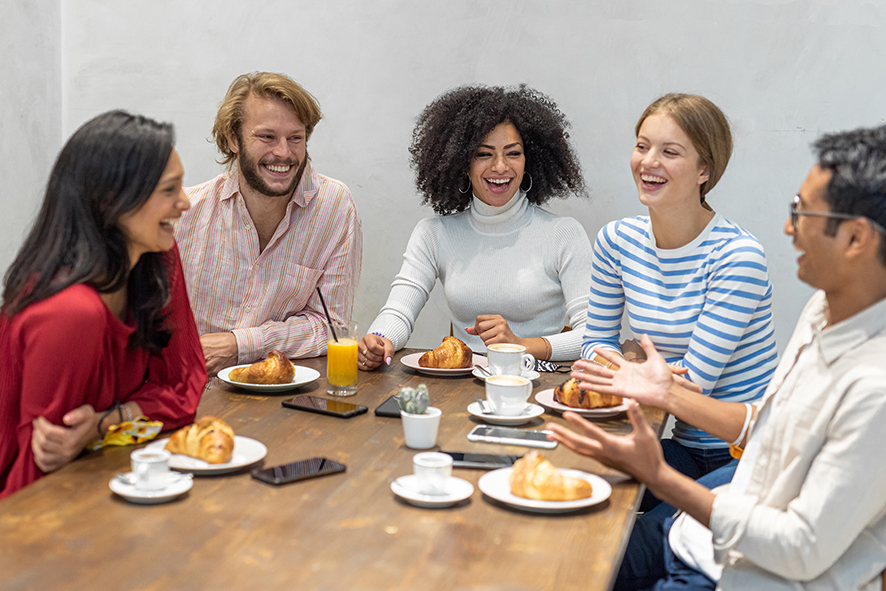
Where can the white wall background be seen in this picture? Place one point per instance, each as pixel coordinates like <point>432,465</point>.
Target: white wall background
<point>783,71</point>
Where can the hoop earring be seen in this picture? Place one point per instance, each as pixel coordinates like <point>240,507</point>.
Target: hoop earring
<point>467,189</point>
<point>530,183</point>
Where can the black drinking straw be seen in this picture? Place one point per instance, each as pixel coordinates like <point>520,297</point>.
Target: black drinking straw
<point>328,317</point>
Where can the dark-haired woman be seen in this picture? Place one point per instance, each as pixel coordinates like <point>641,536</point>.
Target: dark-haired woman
<point>95,315</point>
<point>486,159</point>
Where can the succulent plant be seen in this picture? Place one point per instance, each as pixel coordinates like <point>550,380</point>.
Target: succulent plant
<point>414,400</point>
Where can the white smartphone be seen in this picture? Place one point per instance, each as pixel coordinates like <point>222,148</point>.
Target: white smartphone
<point>511,436</point>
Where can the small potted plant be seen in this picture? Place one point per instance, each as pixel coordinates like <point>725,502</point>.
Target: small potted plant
<point>420,421</point>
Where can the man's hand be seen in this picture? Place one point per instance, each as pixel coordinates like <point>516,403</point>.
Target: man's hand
<point>492,328</point>
<point>372,350</point>
<point>646,382</point>
<point>55,446</point>
<point>638,454</point>
<point>219,350</point>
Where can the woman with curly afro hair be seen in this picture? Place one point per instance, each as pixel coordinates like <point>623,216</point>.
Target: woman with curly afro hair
<point>485,159</point>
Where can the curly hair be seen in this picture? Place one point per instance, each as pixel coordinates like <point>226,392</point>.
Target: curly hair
<point>266,85</point>
<point>450,130</point>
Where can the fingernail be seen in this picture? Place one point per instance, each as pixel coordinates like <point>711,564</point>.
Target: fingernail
<point>387,360</point>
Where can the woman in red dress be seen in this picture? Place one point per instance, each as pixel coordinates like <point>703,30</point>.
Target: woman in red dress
<point>95,324</point>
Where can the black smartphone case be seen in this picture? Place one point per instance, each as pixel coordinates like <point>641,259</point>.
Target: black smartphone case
<point>389,408</point>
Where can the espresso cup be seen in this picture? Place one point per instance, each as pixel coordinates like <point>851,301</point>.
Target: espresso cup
<point>432,469</point>
<point>150,467</point>
<point>507,359</point>
<point>508,394</point>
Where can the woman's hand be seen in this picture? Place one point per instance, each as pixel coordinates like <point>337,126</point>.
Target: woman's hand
<point>633,351</point>
<point>492,328</point>
<point>55,446</point>
<point>372,350</point>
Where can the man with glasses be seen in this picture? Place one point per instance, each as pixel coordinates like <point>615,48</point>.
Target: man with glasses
<point>806,508</point>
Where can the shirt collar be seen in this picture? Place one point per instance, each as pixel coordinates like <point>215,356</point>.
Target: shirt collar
<point>304,192</point>
<point>851,333</point>
<point>491,215</point>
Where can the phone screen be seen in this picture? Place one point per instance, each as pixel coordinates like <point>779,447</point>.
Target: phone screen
<point>482,461</point>
<point>324,406</point>
<point>298,470</point>
<point>506,433</point>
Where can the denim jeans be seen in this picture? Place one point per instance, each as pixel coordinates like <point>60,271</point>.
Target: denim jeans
<point>649,562</point>
<point>690,461</point>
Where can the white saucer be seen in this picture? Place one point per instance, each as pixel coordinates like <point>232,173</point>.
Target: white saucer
<point>457,490</point>
<point>529,375</point>
<point>534,411</point>
<point>179,486</point>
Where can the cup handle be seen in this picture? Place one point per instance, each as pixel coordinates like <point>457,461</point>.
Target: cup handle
<point>528,362</point>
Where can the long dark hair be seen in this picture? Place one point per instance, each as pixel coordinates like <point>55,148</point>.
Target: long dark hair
<point>450,130</point>
<point>108,168</point>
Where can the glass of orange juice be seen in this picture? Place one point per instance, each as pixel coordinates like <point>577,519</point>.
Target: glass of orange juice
<point>341,359</point>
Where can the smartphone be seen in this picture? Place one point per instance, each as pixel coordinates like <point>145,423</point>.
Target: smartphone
<point>324,406</point>
<point>481,461</point>
<point>298,471</point>
<point>511,436</point>
<point>389,408</point>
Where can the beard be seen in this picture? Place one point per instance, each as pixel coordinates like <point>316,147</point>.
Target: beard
<point>250,173</point>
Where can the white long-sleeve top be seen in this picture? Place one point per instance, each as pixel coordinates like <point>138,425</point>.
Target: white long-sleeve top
<point>806,508</point>
<point>518,260</point>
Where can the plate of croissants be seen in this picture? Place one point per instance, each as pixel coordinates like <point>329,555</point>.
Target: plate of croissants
<point>209,446</point>
<point>451,358</point>
<point>587,403</point>
<point>534,484</point>
<point>276,373</point>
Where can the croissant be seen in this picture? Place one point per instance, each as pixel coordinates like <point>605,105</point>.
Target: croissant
<point>570,394</point>
<point>534,477</point>
<point>209,439</point>
<point>452,354</point>
<point>276,369</point>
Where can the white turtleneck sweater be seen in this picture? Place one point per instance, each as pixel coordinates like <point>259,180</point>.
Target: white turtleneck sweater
<point>518,260</point>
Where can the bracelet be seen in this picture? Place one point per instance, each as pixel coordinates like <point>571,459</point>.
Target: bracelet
<point>744,428</point>
<point>378,334</point>
<point>104,416</point>
<point>548,350</point>
<point>128,410</point>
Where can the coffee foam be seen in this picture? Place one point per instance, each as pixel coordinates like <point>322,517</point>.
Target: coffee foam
<point>507,380</point>
<point>506,348</point>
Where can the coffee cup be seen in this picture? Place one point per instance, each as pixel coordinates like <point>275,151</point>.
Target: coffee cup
<point>432,469</point>
<point>508,359</point>
<point>150,468</point>
<point>508,394</point>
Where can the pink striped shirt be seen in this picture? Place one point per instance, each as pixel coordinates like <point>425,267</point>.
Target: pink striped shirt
<point>268,299</point>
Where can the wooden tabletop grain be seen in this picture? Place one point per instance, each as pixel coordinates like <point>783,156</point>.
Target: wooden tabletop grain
<point>345,531</point>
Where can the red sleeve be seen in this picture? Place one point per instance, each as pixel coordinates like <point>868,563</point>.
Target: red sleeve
<point>177,375</point>
<point>38,384</point>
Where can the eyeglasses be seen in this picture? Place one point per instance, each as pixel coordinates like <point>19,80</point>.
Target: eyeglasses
<point>796,213</point>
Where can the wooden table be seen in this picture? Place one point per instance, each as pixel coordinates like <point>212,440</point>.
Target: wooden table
<point>345,531</point>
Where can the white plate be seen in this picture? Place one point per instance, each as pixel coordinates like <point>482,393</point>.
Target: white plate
<point>303,375</point>
<point>411,361</point>
<point>246,451</point>
<point>529,375</point>
<point>534,411</point>
<point>457,490</point>
<point>546,399</point>
<point>496,484</point>
<point>151,497</point>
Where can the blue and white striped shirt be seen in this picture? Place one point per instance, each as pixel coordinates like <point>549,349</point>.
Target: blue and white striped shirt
<point>707,306</point>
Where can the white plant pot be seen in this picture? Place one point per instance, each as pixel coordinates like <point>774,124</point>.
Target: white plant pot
<point>421,430</point>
